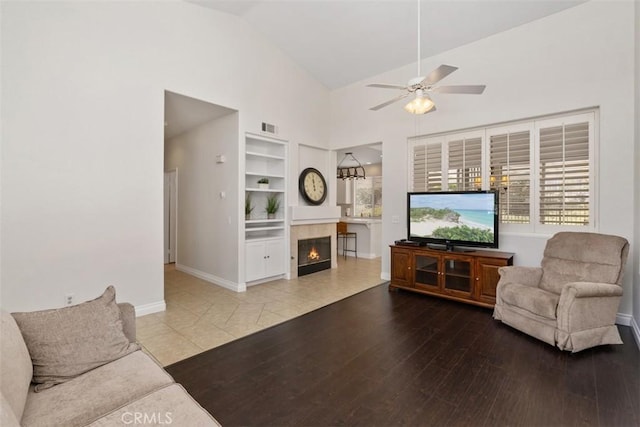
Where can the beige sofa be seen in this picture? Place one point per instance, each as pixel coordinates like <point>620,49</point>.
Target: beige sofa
<point>131,390</point>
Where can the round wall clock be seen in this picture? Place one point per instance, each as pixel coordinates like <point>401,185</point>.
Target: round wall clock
<point>313,187</point>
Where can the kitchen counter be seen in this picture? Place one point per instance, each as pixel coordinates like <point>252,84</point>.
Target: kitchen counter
<point>369,231</point>
<point>360,220</point>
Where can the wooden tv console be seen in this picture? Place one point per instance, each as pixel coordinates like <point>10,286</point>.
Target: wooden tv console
<point>469,277</point>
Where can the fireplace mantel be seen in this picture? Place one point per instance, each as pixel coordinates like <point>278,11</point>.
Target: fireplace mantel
<point>302,215</point>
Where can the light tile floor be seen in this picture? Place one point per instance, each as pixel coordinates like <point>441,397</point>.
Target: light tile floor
<point>201,315</point>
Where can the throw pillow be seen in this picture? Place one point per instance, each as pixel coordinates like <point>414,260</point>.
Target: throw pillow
<point>67,342</point>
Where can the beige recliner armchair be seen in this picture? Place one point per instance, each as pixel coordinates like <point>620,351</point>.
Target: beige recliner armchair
<point>570,301</point>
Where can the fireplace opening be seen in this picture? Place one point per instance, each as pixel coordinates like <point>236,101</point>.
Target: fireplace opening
<point>314,255</point>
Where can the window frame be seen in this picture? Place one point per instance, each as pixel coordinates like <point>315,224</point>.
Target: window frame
<point>426,141</point>
<point>533,126</point>
<point>510,129</point>
<point>371,182</point>
<point>592,119</point>
<point>464,136</point>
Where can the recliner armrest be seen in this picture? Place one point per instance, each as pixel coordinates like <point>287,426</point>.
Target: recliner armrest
<point>128,317</point>
<point>586,306</point>
<point>529,276</point>
<point>592,289</point>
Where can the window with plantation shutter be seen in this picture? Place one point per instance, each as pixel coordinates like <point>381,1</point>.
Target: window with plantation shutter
<point>564,174</point>
<point>426,165</point>
<point>543,169</point>
<point>464,170</point>
<point>510,173</point>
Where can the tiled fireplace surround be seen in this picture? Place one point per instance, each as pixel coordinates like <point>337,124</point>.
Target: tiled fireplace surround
<point>311,231</point>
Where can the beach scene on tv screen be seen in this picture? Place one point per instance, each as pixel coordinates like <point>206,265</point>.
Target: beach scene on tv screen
<point>467,217</point>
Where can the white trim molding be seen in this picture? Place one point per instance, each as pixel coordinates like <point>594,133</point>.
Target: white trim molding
<point>635,328</point>
<point>301,215</point>
<point>628,320</point>
<point>623,319</point>
<point>219,281</point>
<point>153,307</point>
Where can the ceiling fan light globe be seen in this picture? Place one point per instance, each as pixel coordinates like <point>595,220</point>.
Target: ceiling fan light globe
<point>419,105</point>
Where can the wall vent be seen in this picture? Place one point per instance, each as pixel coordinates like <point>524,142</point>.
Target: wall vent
<point>269,128</point>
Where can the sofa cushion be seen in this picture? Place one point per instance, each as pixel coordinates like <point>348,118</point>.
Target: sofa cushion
<point>95,393</point>
<point>15,365</point>
<point>170,405</point>
<point>535,300</point>
<point>7,416</point>
<point>66,342</point>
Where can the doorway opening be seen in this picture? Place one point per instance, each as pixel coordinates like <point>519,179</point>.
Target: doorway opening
<point>195,132</point>
<point>170,215</point>
<point>360,199</point>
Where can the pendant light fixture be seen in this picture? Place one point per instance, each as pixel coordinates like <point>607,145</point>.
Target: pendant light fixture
<point>350,172</point>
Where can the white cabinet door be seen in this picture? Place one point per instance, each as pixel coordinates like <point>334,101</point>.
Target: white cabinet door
<point>264,258</point>
<point>275,257</point>
<point>255,260</point>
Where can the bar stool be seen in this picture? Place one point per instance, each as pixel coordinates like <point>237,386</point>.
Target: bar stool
<point>346,235</point>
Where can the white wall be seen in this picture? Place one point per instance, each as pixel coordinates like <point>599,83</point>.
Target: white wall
<point>560,63</point>
<point>311,157</point>
<point>205,219</point>
<point>82,136</point>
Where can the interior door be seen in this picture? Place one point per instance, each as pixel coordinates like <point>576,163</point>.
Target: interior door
<point>170,215</point>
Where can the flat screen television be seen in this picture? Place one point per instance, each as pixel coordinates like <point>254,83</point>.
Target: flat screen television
<point>453,218</point>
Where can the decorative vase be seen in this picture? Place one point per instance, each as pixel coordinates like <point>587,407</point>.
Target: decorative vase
<point>263,186</point>
<point>271,216</point>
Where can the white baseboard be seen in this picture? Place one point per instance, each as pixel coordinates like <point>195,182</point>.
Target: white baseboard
<point>629,320</point>
<point>636,331</point>
<point>364,255</point>
<point>623,319</point>
<point>236,287</point>
<point>265,280</point>
<point>150,308</point>
<point>385,276</point>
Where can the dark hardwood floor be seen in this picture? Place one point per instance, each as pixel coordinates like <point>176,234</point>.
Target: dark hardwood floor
<point>384,358</point>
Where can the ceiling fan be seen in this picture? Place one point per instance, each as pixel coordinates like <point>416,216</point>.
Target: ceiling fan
<point>422,86</point>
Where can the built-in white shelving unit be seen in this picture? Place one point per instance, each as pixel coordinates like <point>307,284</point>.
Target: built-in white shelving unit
<point>265,246</point>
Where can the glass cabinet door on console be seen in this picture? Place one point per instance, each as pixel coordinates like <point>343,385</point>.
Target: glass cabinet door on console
<point>427,275</point>
<point>457,277</point>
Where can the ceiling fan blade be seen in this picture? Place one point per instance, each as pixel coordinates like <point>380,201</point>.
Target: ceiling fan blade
<point>383,86</point>
<point>470,89</point>
<point>438,74</point>
<point>391,101</point>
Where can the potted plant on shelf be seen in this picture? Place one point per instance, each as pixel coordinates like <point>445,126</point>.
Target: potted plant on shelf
<point>273,204</point>
<point>247,207</point>
<point>263,183</point>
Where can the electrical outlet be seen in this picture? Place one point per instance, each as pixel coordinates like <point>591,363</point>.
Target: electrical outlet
<point>68,299</point>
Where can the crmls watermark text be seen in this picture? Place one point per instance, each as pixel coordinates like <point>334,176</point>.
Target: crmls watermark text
<point>142,418</point>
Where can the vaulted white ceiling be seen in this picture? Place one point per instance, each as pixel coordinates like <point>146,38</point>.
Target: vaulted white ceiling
<point>340,42</point>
